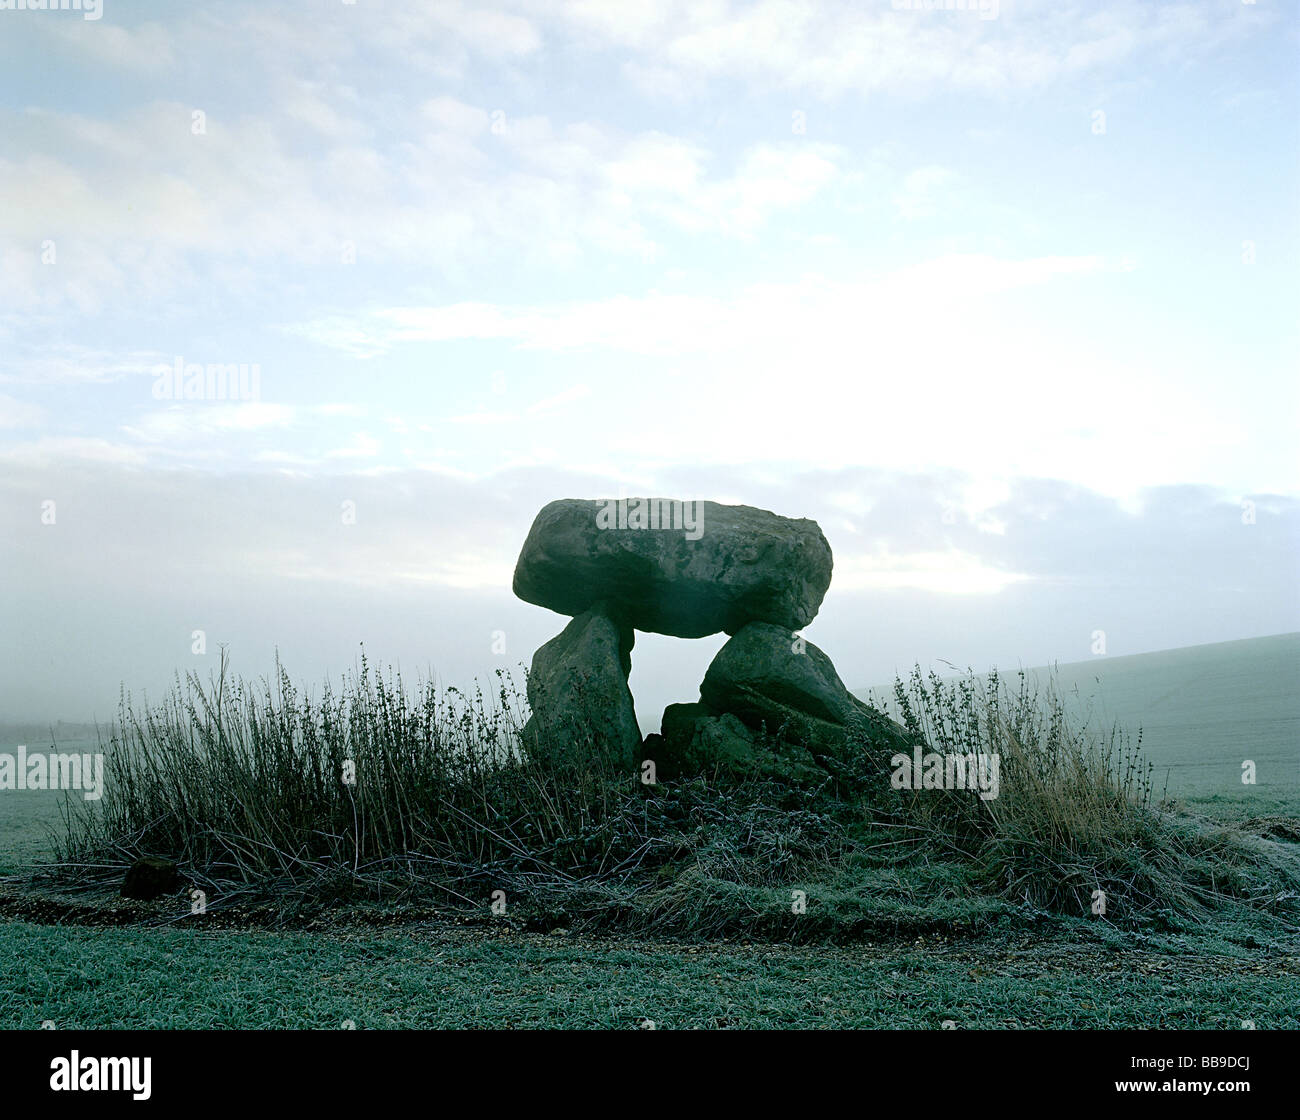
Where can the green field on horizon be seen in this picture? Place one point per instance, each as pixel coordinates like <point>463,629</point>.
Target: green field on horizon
<point>1202,710</point>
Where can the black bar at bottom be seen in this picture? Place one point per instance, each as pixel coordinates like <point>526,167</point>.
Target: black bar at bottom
<point>335,1068</point>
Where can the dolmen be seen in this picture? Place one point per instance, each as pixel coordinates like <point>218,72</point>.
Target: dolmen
<point>771,702</point>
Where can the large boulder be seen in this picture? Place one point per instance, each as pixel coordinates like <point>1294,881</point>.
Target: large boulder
<point>772,679</point>
<point>687,569</point>
<point>678,725</point>
<point>695,739</point>
<point>578,693</point>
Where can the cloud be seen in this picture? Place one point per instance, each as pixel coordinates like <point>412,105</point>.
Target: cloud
<point>790,314</point>
<point>923,192</point>
<point>363,446</point>
<point>249,191</point>
<point>68,451</point>
<point>144,48</point>
<point>829,50</point>
<point>491,31</point>
<point>19,414</point>
<point>183,423</point>
<point>904,325</point>
<point>938,364</point>
<point>559,400</point>
<point>66,363</point>
<point>308,103</point>
<point>951,572</point>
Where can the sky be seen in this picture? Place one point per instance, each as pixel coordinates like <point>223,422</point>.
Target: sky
<point>1004,298</point>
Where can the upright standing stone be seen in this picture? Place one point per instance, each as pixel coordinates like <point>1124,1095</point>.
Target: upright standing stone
<point>578,693</point>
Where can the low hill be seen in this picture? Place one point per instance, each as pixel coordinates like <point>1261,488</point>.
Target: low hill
<point>1203,711</point>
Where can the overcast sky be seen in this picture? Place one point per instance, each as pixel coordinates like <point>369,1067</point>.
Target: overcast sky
<point>1007,304</point>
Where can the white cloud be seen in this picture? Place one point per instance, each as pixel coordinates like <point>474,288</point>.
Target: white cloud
<point>284,458</point>
<point>308,103</point>
<point>250,192</point>
<point>829,49</point>
<point>63,363</point>
<point>950,572</point>
<point>933,365</point>
<point>559,400</point>
<point>923,192</point>
<point>363,446</point>
<point>493,32</point>
<point>813,312</point>
<point>19,414</point>
<point>49,450</point>
<point>455,116</point>
<point>144,48</point>
<point>182,423</point>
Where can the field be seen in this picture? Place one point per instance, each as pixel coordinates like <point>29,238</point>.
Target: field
<point>87,959</point>
<point>1203,710</point>
<point>419,977</point>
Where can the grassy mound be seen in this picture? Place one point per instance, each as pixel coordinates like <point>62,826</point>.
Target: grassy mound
<point>1075,825</point>
<point>375,792</point>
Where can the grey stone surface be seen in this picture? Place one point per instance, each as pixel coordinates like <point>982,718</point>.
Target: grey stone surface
<point>578,693</point>
<point>695,740</point>
<point>770,679</point>
<point>743,565</point>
